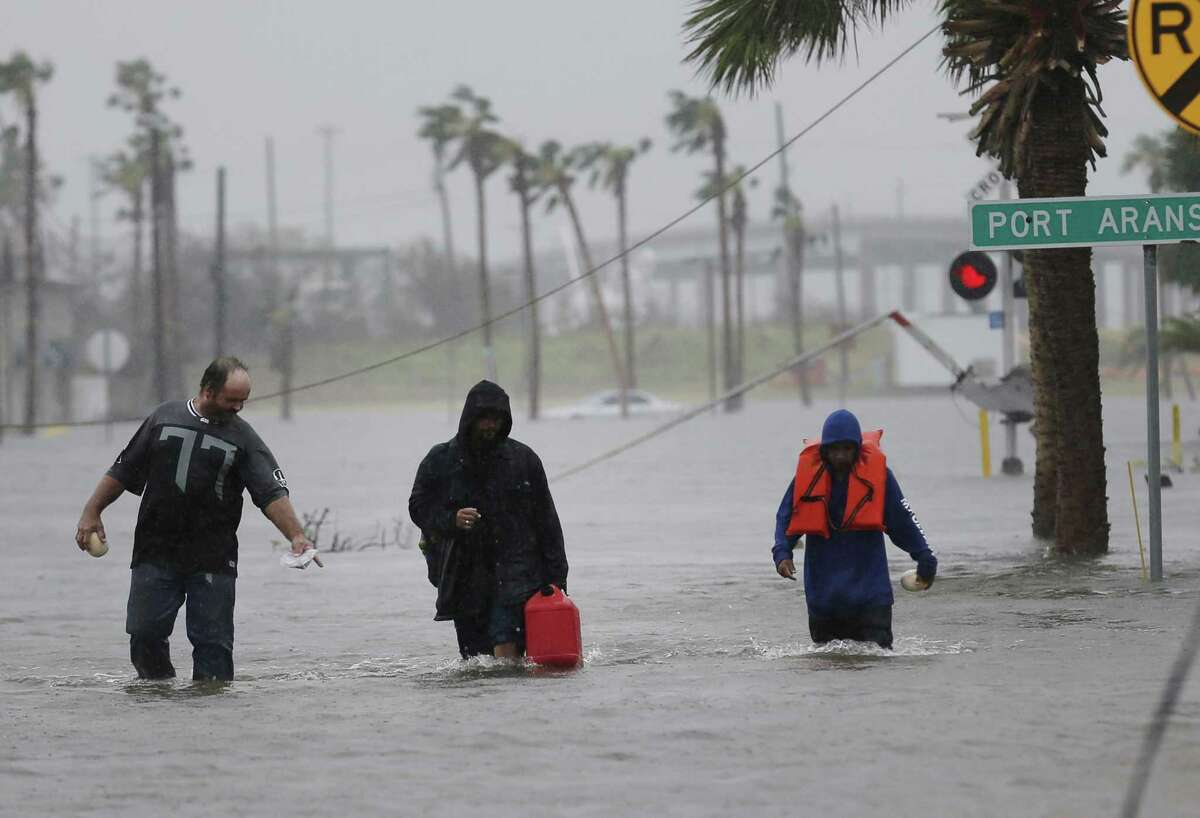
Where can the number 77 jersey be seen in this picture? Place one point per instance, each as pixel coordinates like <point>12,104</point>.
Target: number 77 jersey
<point>191,473</point>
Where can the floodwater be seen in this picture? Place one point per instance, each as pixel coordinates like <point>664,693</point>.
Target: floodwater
<point>1020,685</point>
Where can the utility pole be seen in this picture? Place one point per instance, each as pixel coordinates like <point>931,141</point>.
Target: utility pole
<point>218,269</point>
<point>7,279</point>
<point>281,313</point>
<point>793,256</point>
<point>840,281</point>
<point>327,133</point>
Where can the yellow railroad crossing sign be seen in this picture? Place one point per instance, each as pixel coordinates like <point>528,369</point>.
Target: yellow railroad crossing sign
<point>1164,41</point>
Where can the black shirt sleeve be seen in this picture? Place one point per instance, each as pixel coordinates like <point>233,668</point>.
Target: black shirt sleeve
<point>427,502</point>
<point>262,475</point>
<point>133,463</point>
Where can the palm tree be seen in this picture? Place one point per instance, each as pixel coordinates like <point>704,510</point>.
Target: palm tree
<point>698,126</point>
<point>20,77</point>
<point>440,125</point>
<point>555,175</point>
<point>522,184</point>
<point>1033,65</point>
<point>141,91</point>
<point>484,151</point>
<point>609,165</point>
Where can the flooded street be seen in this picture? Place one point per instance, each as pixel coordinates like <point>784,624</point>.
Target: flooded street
<point>1019,685</point>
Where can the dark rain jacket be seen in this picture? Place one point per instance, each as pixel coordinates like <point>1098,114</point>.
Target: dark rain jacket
<point>518,544</point>
<point>848,571</point>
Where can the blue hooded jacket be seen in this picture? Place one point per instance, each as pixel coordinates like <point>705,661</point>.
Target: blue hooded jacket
<point>848,571</point>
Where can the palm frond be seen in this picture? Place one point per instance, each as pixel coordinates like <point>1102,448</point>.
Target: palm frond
<point>738,44</point>
<point>1009,52</point>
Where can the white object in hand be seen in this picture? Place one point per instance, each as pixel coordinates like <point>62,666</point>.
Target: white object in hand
<point>301,561</point>
<point>909,581</point>
<point>96,546</point>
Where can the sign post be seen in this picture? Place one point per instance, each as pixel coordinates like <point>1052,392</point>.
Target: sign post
<point>1037,224</point>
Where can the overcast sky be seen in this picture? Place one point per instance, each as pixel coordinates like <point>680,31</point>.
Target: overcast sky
<point>567,70</point>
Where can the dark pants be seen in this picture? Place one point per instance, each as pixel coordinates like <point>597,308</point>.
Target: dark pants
<point>155,596</point>
<point>867,625</point>
<point>498,625</point>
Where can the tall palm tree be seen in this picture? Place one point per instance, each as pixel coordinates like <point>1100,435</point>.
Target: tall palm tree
<point>609,166</point>
<point>141,91</point>
<point>20,77</point>
<point>1033,66</point>
<point>555,174</point>
<point>522,183</point>
<point>440,125</point>
<point>698,126</point>
<point>484,151</point>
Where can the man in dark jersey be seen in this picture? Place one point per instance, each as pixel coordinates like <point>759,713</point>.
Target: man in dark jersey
<point>190,461</point>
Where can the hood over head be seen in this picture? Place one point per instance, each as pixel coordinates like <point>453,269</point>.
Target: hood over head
<point>841,427</point>
<point>484,396</point>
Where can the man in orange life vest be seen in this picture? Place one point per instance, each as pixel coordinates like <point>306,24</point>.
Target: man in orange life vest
<point>842,500</point>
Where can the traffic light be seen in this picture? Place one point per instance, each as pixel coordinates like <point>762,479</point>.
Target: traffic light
<point>973,275</point>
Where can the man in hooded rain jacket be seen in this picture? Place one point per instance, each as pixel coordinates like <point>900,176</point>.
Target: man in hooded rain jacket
<point>842,499</point>
<point>490,532</point>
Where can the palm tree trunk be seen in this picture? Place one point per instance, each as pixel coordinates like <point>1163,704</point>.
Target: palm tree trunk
<point>1065,302</point>
<point>489,356</point>
<point>601,310</point>
<point>175,329</point>
<point>626,286</point>
<point>739,244</point>
<point>439,184</point>
<point>156,252</point>
<point>734,403</point>
<point>535,338</point>
<point>32,267</point>
<point>796,305</point>
<point>136,296</point>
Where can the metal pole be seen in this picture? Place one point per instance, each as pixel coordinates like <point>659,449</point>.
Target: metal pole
<point>327,133</point>
<point>1150,266</point>
<point>1011,463</point>
<point>840,281</point>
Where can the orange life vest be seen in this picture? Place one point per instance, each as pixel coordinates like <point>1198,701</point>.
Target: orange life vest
<point>864,494</point>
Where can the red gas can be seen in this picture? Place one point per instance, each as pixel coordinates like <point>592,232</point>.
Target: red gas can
<point>552,634</point>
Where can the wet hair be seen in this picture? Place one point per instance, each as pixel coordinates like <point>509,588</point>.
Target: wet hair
<point>218,372</point>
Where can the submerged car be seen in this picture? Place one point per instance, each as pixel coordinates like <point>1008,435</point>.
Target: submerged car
<point>608,404</point>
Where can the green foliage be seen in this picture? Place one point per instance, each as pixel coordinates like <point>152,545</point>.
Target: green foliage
<point>1172,163</point>
<point>609,163</point>
<point>141,91</point>
<point>1011,52</point>
<point>1179,335</point>
<point>696,123</point>
<point>740,43</point>
<point>479,145</point>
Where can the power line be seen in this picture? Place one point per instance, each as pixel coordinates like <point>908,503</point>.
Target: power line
<point>732,183</point>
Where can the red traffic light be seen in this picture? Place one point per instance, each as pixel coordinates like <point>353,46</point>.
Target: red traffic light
<point>973,275</point>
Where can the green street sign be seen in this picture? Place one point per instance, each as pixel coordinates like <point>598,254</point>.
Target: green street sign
<point>1084,221</point>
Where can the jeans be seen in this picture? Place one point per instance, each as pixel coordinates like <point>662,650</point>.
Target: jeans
<point>867,625</point>
<point>477,636</point>
<point>156,593</point>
